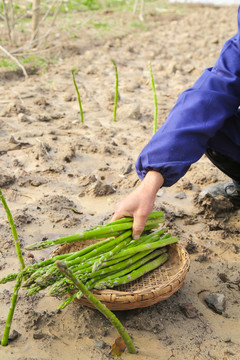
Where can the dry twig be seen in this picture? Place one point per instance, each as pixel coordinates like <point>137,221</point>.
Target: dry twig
<point>15,60</point>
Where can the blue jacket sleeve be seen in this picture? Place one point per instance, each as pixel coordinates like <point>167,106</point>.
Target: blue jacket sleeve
<point>197,116</point>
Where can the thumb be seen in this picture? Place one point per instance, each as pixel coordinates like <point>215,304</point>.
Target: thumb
<point>138,225</point>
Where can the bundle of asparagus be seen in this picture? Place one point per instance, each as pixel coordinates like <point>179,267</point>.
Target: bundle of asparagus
<point>116,259</point>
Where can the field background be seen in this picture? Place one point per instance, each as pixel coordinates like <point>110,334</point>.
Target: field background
<point>51,162</point>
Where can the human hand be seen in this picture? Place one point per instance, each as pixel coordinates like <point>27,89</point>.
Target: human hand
<point>139,203</point>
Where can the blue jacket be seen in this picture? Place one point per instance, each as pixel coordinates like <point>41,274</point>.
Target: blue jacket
<point>202,117</point>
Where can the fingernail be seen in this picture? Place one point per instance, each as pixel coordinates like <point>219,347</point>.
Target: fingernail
<point>135,237</point>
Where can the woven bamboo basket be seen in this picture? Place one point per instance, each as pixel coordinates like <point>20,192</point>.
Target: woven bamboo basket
<point>149,289</point>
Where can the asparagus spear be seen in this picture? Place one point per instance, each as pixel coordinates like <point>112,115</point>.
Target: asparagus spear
<point>17,286</point>
<point>102,249</point>
<point>102,308</point>
<point>149,246</point>
<point>68,301</point>
<point>14,231</point>
<point>87,235</point>
<point>98,263</point>
<point>113,267</point>
<point>9,277</point>
<point>59,286</point>
<point>116,91</point>
<point>112,253</point>
<point>62,286</point>
<point>117,266</point>
<point>152,215</point>
<point>134,274</point>
<point>53,273</point>
<point>97,233</point>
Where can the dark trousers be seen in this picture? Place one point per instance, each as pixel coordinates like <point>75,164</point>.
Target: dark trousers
<point>227,165</point>
<point>229,135</point>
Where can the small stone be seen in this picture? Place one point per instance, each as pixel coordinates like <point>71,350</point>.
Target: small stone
<point>191,247</point>
<point>36,182</point>
<point>171,68</point>
<point>181,195</point>
<point>189,68</point>
<point>189,310</point>
<point>43,118</point>
<point>216,302</point>
<point>100,189</point>
<point>6,180</point>
<point>100,344</point>
<point>30,255</point>
<point>227,340</point>
<point>202,258</point>
<point>24,118</point>
<point>37,335</point>
<point>128,169</point>
<point>12,140</point>
<point>160,193</point>
<point>13,335</point>
<point>104,332</point>
<point>223,277</point>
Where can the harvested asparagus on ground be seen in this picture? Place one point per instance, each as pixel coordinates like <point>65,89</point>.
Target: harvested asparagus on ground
<point>114,260</point>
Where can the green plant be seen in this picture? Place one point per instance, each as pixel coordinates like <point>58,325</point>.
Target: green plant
<point>78,95</point>
<point>100,25</point>
<point>155,100</point>
<point>116,92</point>
<point>4,63</point>
<point>17,286</point>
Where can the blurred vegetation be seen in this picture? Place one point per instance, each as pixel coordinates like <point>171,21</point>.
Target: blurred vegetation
<point>99,18</point>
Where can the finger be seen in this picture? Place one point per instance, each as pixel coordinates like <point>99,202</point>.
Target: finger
<point>138,225</point>
<point>120,214</point>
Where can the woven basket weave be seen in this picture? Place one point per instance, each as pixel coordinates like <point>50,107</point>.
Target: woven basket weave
<point>149,289</point>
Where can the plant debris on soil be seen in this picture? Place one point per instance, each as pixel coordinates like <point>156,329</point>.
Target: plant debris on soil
<point>51,163</point>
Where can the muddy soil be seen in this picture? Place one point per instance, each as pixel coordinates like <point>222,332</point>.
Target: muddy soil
<point>51,162</point>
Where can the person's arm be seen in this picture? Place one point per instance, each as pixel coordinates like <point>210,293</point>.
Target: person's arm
<point>197,116</point>
<point>139,203</point>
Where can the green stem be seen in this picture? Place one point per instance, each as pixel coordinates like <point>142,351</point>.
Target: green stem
<point>9,277</point>
<point>144,247</point>
<point>116,91</point>
<point>88,235</point>
<point>96,233</point>
<point>98,305</point>
<point>33,290</point>
<point>17,286</point>
<point>14,231</point>
<point>78,95</point>
<point>68,301</point>
<point>109,248</point>
<point>119,246</point>
<point>155,100</point>
<point>152,215</point>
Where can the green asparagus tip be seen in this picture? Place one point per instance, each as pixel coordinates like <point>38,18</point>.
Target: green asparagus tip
<point>61,265</point>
